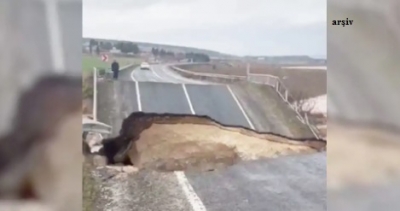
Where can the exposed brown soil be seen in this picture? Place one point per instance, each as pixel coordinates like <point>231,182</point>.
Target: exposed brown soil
<point>166,155</point>
<point>203,147</point>
<point>176,142</point>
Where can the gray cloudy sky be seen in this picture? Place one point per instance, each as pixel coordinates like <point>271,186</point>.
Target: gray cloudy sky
<point>241,27</point>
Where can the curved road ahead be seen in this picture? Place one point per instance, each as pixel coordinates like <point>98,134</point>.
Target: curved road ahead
<point>287,183</point>
<point>157,73</point>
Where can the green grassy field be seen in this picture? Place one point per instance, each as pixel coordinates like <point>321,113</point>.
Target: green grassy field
<point>89,61</point>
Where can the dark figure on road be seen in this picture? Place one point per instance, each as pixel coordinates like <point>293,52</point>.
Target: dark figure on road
<point>115,69</point>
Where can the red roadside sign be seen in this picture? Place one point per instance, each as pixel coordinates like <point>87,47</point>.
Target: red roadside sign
<point>104,57</point>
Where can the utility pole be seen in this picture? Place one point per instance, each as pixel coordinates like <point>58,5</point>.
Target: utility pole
<point>248,70</point>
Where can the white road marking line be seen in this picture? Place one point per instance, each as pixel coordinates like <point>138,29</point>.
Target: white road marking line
<point>158,76</point>
<point>241,108</point>
<point>182,79</point>
<point>188,99</point>
<point>55,35</point>
<point>192,197</point>
<point>190,194</point>
<point>132,77</point>
<point>171,74</point>
<point>138,96</point>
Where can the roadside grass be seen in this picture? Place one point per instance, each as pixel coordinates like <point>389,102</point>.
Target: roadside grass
<point>90,61</point>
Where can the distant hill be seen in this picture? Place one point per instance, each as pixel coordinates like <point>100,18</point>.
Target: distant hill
<point>282,60</point>
<point>148,46</point>
<point>289,60</point>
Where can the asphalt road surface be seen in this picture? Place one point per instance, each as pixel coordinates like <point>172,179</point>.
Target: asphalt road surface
<point>213,100</point>
<point>287,183</point>
<point>294,183</point>
<point>119,99</point>
<point>157,73</point>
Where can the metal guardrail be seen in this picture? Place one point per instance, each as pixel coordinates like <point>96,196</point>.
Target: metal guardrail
<point>283,92</point>
<point>90,125</point>
<point>263,79</point>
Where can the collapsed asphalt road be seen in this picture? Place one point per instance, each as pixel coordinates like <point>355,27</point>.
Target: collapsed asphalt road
<point>119,99</point>
<point>120,149</point>
<point>251,183</point>
<point>264,109</point>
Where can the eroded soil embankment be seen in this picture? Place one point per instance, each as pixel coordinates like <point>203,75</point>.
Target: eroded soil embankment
<point>183,142</point>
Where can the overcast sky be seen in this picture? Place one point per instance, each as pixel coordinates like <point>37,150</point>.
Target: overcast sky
<point>240,27</point>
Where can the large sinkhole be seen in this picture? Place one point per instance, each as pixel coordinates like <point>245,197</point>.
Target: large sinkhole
<point>168,142</point>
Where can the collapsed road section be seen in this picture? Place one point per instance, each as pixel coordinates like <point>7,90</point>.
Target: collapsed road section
<point>258,108</point>
<point>201,130</point>
<point>218,161</point>
<point>205,119</point>
<point>171,142</point>
<point>119,99</point>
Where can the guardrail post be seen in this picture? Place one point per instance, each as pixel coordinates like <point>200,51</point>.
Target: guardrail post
<point>286,95</point>
<point>306,118</point>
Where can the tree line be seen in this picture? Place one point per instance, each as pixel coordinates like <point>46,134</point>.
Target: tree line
<point>195,57</point>
<point>161,52</point>
<point>124,47</point>
<point>130,47</point>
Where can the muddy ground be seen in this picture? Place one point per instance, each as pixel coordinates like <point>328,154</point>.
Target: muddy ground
<point>172,147</point>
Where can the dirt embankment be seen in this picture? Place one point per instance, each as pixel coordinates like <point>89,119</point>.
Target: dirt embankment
<point>184,142</point>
